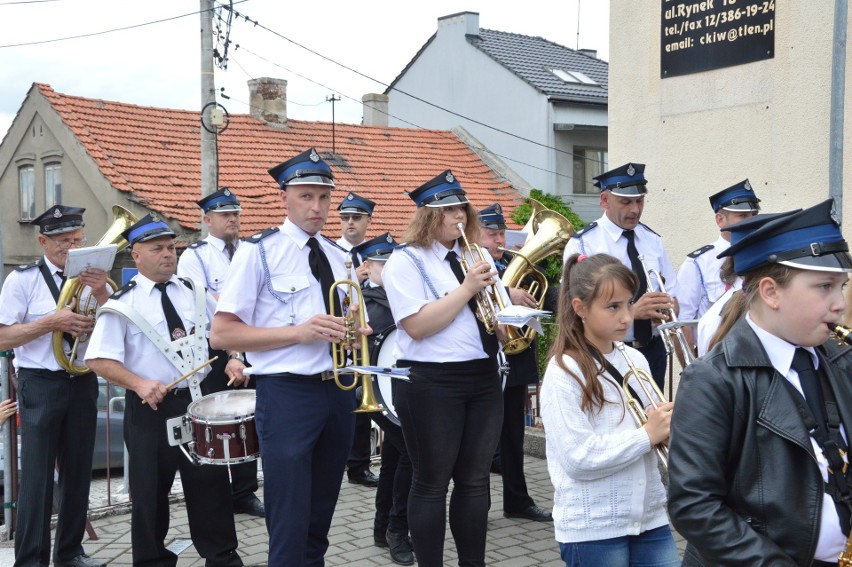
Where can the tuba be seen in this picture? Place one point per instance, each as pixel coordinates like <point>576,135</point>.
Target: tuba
<point>651,391</point>
<point>339,351</point>
<point>549,233</point>
<point>72,292</point>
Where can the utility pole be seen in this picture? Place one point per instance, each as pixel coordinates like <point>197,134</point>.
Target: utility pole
<point>838,96</point>
<point>332,100</point>
<point>209,152</point>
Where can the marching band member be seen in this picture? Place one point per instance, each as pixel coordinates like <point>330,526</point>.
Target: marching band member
<point>451,410</point>
<point>356,212</point>
<point>699,279</point>
<point>523,370</point>
<point>609,499</point>
<point>151,332</point>
<point>758,472</point>
<point>275,308</point>
<point>619,233</point>
<point>207,262</point>
<point>58,409</point>
<point>390,526</point>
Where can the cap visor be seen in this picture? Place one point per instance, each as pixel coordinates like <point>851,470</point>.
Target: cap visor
<point>62,230</point>
<point>311,180</point>
<point>631,191</point>
<point>353,211</point>
<point>742,207</point>
<point>226,209</point>
<point>154,234</point>
<point>837,262</point>
<point>448,201</point>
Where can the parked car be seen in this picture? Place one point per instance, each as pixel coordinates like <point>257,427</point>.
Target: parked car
<point>109,396</point>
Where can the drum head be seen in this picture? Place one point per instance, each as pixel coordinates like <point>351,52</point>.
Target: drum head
<point>382,355</point>
<point>230,405</point>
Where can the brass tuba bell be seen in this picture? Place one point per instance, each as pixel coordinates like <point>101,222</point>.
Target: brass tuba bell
<point>72,292</point>
<point>550,232</point>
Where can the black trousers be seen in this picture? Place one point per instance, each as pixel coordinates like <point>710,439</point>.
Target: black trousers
<point>394,480</point>
<point>243,475</point>
<point>515,495</point>
<point>359,456</point>
<point>153,464</point>
<point>655,353</point>
<point>58,420</point>
<point>451,415</point>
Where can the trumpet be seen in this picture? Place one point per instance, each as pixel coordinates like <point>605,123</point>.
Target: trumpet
<point>340,351</point>
<point>671,332</point>
<point>489,302</point>
<point>651,391</point>
<point>841,333</point>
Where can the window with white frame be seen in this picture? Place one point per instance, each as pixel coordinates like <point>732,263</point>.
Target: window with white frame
<point>588,164</point>
<point>26,183</point>
<point>52,184</point>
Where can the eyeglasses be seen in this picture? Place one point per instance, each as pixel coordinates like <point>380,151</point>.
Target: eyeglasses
<point>67,243</point>
<point>352,217</point>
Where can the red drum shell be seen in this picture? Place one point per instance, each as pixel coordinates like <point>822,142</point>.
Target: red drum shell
<point>223,428</point>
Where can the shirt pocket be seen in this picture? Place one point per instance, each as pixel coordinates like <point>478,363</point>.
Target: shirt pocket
<point>40,308</point>
<point>157,321</point>
<point>294,292</point>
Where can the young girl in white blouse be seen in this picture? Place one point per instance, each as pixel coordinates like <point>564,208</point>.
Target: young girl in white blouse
<point>609,500</point>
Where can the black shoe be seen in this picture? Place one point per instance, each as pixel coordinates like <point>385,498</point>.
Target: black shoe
<point>531,513</point>
<point>81,560</point>
<point>401,551</point>
<point>365,478</point>
<point>253,507</point>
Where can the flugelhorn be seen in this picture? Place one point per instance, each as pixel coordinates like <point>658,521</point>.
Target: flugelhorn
<point>651,391</point>
<point>71,293</point>
<point>489,302</point>
<point>340,351</point>
<point>672,331</point>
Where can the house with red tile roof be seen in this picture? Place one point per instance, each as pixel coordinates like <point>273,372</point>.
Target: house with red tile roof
<point>95,154</point>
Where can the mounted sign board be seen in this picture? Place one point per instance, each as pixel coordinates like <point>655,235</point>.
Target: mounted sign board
<point>710,34</point>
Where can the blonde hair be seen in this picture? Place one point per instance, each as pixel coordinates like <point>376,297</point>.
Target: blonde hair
<point>425,225</point>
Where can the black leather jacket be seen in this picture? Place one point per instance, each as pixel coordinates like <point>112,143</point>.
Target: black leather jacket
<point>744,484</point>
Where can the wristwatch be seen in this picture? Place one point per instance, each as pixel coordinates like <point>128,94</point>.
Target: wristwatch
<point>237,356</point>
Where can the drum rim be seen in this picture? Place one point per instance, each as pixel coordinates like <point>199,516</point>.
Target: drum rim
<point>196,417</point>
<point>374,355</point>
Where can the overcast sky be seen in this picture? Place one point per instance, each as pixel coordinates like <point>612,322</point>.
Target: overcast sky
<point>159,64</point>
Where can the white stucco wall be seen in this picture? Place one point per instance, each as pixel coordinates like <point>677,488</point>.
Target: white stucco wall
<point>767,121</point>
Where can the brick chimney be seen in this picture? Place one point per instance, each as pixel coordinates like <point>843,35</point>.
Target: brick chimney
<point>375,109</point>
<point>268,100</point>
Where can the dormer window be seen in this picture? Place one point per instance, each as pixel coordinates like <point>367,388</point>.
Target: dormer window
<point>574,77</point>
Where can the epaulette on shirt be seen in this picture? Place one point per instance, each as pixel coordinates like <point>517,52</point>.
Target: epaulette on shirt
<point>122,290</point>
<point>335,244</point>
<point>198,244</point>
<point>584,230</point>
<point>25,267</point>
<point>254,239</point>
<point>187,282</point>
<point>700,251</point>
<point>649,228</point>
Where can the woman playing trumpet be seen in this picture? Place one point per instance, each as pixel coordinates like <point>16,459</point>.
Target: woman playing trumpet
<point>609,500</point>
<point>451,410</point>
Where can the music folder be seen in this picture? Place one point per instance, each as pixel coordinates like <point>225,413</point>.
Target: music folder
<point>99,257</point>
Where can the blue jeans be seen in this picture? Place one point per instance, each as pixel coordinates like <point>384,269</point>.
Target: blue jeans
<point>653,548</point>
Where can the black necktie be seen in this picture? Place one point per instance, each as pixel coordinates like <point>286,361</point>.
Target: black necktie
<point>489,342</point>
<point>356,261</point>
<point>803,364</point>
<point>641,327</point>
<point>62,278</point>
<point>173,320</point>
<point>321,270</point>
<point>230,249</point>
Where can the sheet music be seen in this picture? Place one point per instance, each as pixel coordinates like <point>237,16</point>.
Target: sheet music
<point>515,239</point>
<point>99,257</point>
<point>518,316</point>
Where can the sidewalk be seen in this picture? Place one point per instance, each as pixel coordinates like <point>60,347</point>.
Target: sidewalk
<point>511,543</point>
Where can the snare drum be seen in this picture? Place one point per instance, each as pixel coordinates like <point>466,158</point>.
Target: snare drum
<point>223,429</point>
<point>381,354</point>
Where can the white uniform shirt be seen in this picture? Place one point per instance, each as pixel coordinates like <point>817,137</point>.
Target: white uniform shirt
<point>408,293</point>
<point>117,339</point>
<point>207,263</point>
<point>285,294</point>
<point>831,540</point>
<point>709,323</point>
<point>607,238</point>
<point>698,280</point>
<point>602,467</point>
<point>25,298</point>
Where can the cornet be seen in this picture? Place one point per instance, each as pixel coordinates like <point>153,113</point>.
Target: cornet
<point>340,351</point>
<point>671,332</point>
<point>651,391</point>
<point>489,302</point>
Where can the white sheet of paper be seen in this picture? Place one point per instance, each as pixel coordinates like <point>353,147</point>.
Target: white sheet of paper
<point>518,316</point>
<point>515,239</point>
<point>99,257</point>
<point>393,372</point>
